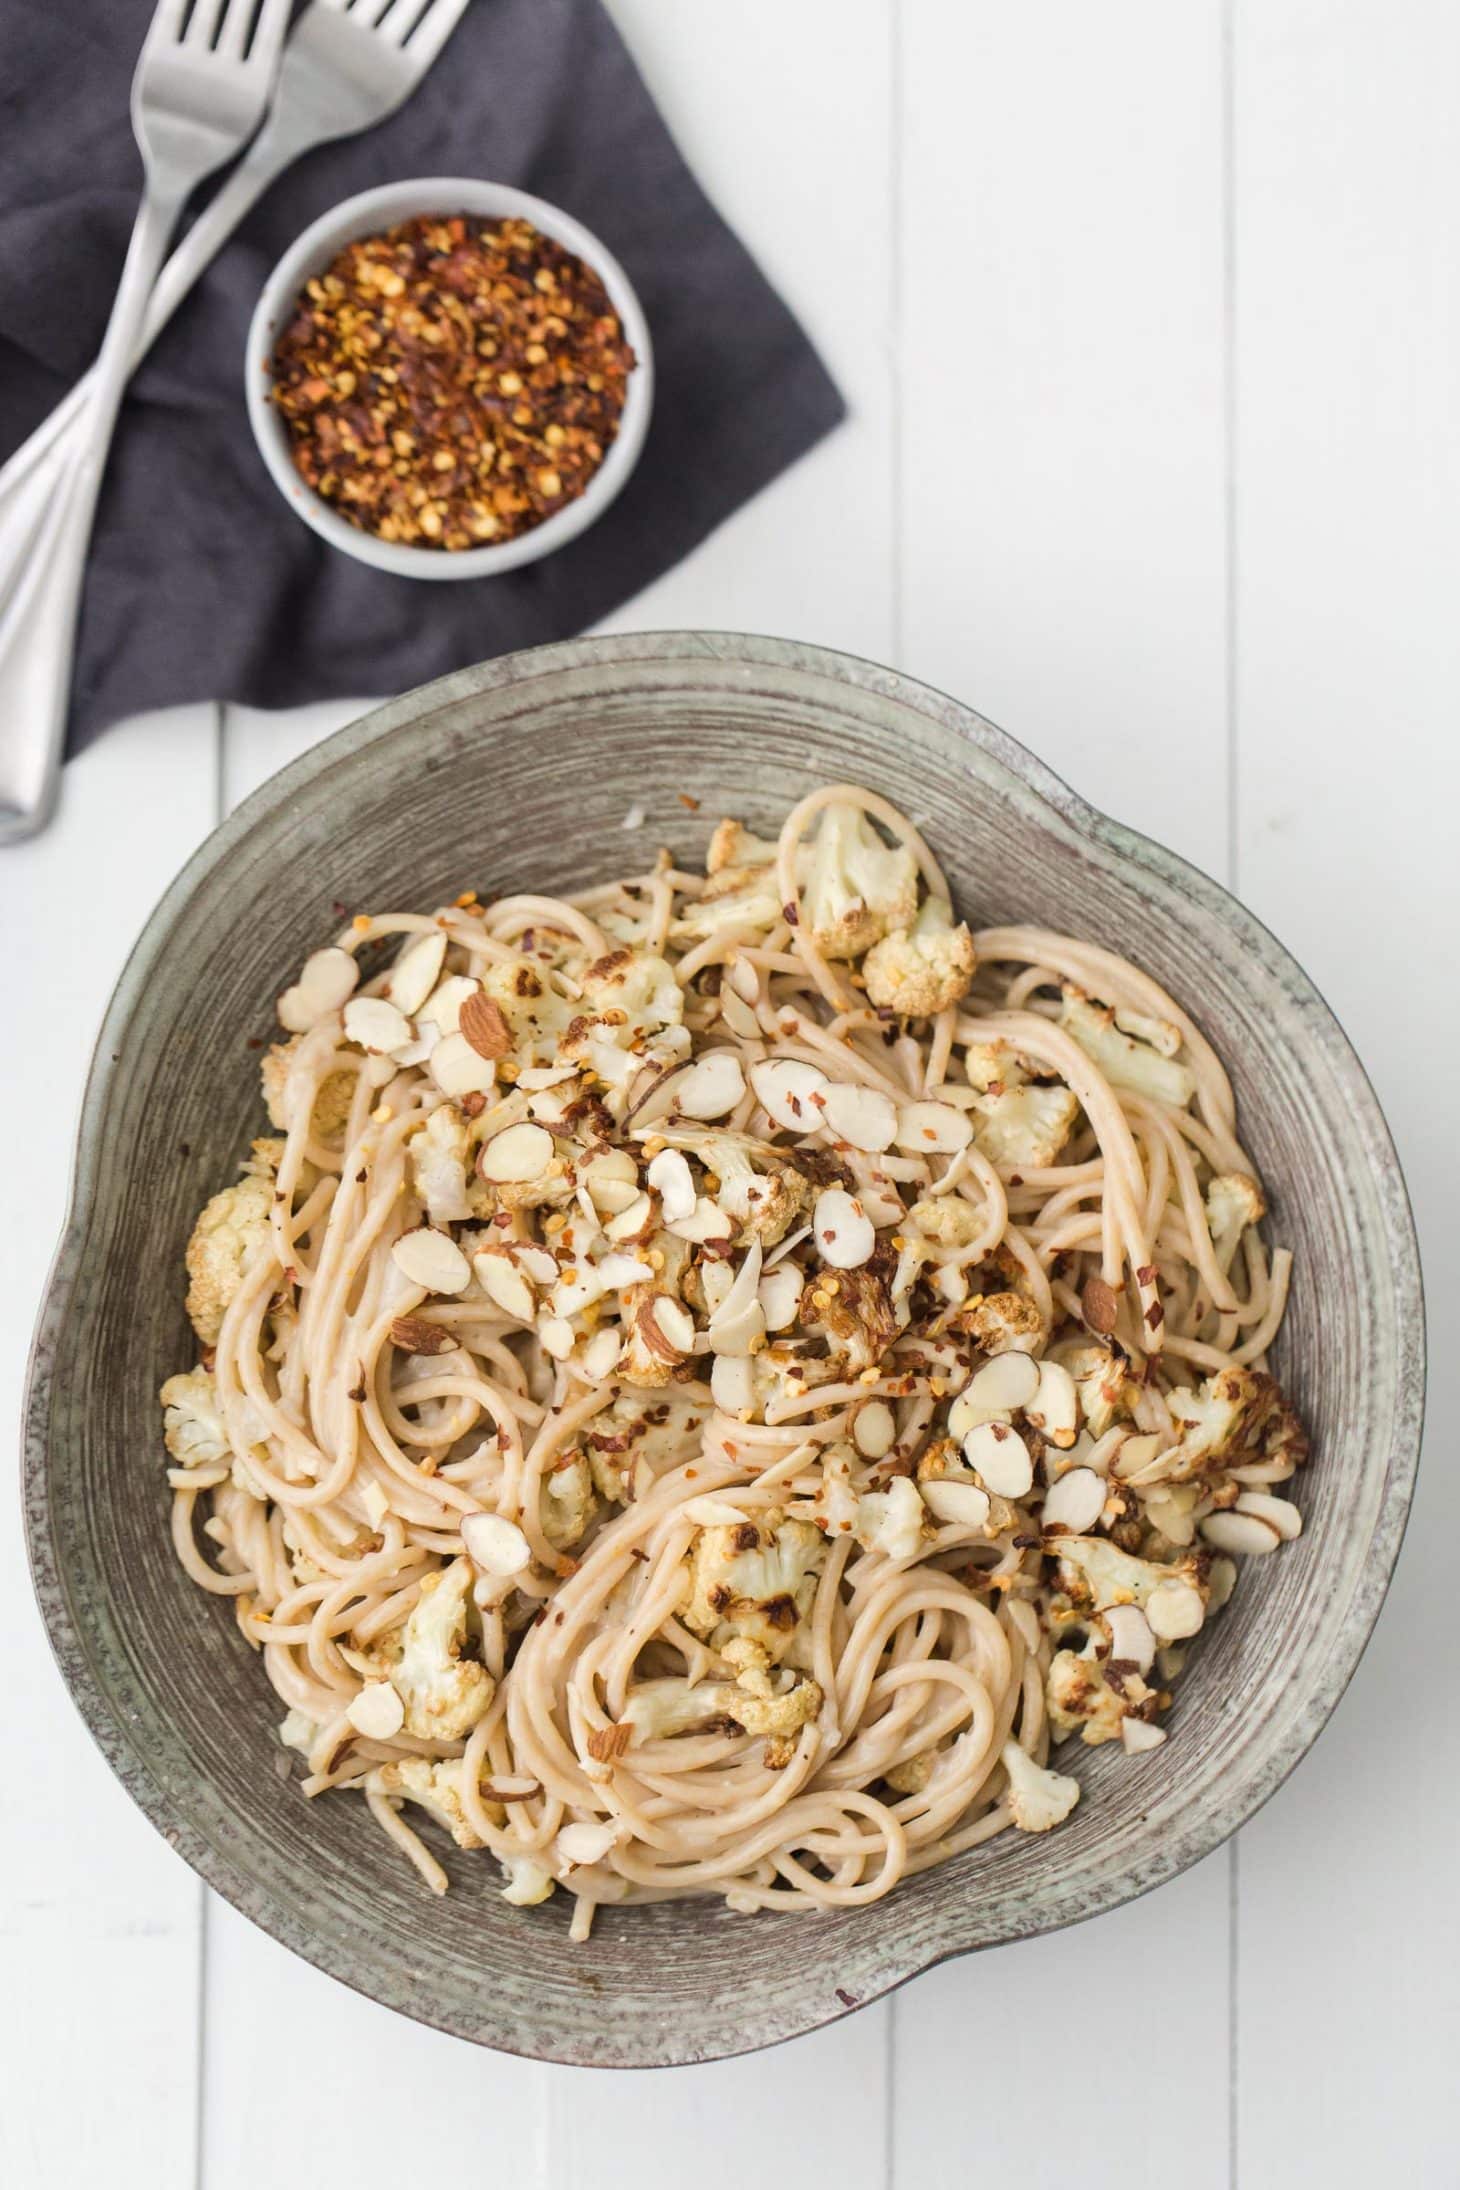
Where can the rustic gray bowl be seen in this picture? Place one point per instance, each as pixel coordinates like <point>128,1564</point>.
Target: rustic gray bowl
<point>519,774</point>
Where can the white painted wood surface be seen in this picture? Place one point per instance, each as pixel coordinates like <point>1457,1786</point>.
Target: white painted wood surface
<point>1150,319</point>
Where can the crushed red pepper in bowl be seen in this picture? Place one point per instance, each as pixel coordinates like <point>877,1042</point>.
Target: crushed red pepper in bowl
<point>452,382</point>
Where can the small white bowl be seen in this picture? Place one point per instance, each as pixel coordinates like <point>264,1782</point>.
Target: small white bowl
<point>367,215</point>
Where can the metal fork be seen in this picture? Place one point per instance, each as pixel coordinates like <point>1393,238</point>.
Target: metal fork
<point>347,65</point>
<point>202,82</point>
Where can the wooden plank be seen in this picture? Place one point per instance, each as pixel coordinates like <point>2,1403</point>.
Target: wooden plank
<point>1061,469</point>
<point>100,1921</point>
<point>1348,451</point>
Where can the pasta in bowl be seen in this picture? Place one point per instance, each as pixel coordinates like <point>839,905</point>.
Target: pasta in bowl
<point>525,777</point>
<point>711,1376</point>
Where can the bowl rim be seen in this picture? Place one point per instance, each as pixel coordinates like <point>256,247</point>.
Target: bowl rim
<point>382,207</point>
<point>1208,898</point>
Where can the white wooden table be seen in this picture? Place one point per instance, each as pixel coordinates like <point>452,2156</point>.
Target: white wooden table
<point>1149,315</point>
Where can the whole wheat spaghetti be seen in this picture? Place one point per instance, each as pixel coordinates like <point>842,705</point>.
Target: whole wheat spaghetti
<point>711,1378</point>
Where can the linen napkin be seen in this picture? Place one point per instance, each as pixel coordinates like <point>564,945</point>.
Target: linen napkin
<point>202,584</point>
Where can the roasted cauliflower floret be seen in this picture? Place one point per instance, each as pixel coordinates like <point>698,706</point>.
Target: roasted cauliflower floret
<point>733,845</point>
<point>1103,1384</point>
<point>192,1423</point>
<point>1125,1063</point>
<point>568,1504</point>
<point>1233,1202</point>
<point>1038,1798</point>
<point>435,1786</point>
<point>753,1182</point>
<point>628,997</point>
<point>232,1229</point>
<point>1025,1128</point>
<point>892,1521</point>
<point>857,889</point>
<point>535,1017</point>
<point>761,1702</point>
<point>755,1579</point>
<point>994,1066</point>
<point>1083,1697</point>
<point>442,1159</point>
<point>1002,1323</point>
<point>444,1693</point>
<point>662,1432</point>
<point>1095,1574</point>
<point>854,1311</point>
<point>527,1881</point>
<point>947,1219</point>
<point>331,1104</point>
<point>1237,1417</point>
<point>745,898</point>
<point>920,970</point>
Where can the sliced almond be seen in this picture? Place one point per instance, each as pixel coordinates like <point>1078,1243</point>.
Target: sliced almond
<point>780,1296</point>
<point>585,1843</point>
<point>1138,1735</point>
<point>1221,1582</point>
<point>504,1284</point>
<point>550,1105</point>
<point>1278,1513</point>
<point>635,1221</point>
<point>601,1354</point>
<point>536,1263</point>
<point>615,1272</point>
<point>419,1335</point>
<point>458,1069</point>
<point>484,1024</point>
<point>1174,1610</point>
<point>961,1505</point>
<point>520,1153</point>
<point>1131,1638</point>
<point>711,1086</point>
<point>612,1180</point>
<point>673,1181</point>
<point>933,1128</point>
<point>1054,1409</point>
<point>556,1336</point>
<point>1135,1454</point>
<point>377,1712</point>
<point>861,1116</point>
<point>1242,1534</point>
<point>415,972</point>
<point>494,1544</point>
<point>994,1392</point>
<point>874,1432</point>
<point>708,1221</point>
<point>327,980</point>
<point>1001,1457</point>
<point>712,1512</point>
<point>673,1325</point>
<point>442,1007</point>
<point>376,1025</point>
<point>743,978</point>
<point>433,1259</point>
<point>1076,1502</point>
<point>844,1234</point>
<point>786,1090</point>
<point>739,1016</point>
<point>536,1077</point>
<point>732,1383</point>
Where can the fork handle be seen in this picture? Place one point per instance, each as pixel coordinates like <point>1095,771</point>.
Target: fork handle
<point>277,145</point>
<point>38,623</point>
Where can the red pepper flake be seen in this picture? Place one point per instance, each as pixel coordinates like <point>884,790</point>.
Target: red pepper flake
<point>452,382</point>
<point>1155,1315</point>
<point>1146,1274</point>
<point>791,915</point>
<point>691,805</point>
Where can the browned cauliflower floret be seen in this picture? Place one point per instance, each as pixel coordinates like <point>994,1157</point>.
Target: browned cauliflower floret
<point>663,1432</point>
<point>1038,1798</point>
<point>1001,1323</point>
<point>444,1693</point>
<point>1103,1384</point>
<point>435,1786</point>
<point>857,889</point>
<point>232,1229</point>
<point>331,1104</point>
<point>755,1184</point>
<point>854,1310</point>
<point>1085,1697</point>
<point>733,845</point>
<point>1233,1202</point>
<point>923,969</point>
<point>948,1219</point>
<point>1238,1417</point>
<point>754,1579</point>
<point>1124,1062</point>
<point>192,1424</point>
<point>628,997</point>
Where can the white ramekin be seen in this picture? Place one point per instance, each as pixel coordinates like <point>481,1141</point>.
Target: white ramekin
<point>366,215</point>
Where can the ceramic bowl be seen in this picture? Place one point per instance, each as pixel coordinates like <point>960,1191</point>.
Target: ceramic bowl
<point>366,215</point>
<point>519,775</point>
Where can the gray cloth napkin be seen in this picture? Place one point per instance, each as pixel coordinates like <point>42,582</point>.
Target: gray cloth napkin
<point>202,585</point>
